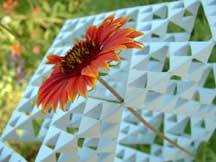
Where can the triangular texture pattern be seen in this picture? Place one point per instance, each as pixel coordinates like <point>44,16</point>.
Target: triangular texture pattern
<point>9,155</point>
<point>165,82</point>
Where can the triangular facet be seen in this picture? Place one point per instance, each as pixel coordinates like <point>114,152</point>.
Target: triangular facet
<point>187,13</point>
<point>210,80</point>
<point>212,58</point>
<point>201,30</point>
<point>187,129</point>
<point>174,28</point>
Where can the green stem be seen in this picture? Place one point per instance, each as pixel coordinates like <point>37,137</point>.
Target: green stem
<point>31,5</point>
<point>17,37</point>
<point>141,119</point>
<point>8,30</point>
<point>153,129</point>
<point>105,84</point>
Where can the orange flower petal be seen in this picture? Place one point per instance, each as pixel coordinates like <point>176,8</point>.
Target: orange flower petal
<point>53,59</point>
<point>109,56</point>
<point>53,92</point>
<point>110,28</point>
<point>117,42</point>
<point>101,63</point>
<point>46,88</point>
<point>91,33</point>
<point>90,71</point>
<point>121,33</point>
<point>46,101</point>
<point>115,48</point>
<point>135,34</point>
<point>90,81</point>
<point>134,44</point>
<point>82,85</point>
<point>102,28</point>
<point>63,96</point>
<point>72,89</point>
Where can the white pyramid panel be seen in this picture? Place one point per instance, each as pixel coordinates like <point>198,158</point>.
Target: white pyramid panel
<point>165,82</point>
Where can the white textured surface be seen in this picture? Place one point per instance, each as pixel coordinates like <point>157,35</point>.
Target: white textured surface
<point>139,77</point>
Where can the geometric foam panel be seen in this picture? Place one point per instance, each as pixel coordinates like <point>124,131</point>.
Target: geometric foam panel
<point>9,155</point>
<point>165,83</point>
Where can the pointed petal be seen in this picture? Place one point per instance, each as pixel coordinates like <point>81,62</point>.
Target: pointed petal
<point>72,89</point>
<point>108,28</point>
<point>53,59</point>
<point>121,33</point>
<point>53,92</point>
<point>134,44</point>
<point>91,33</point>
<point>45,100</point>
<point>82,86</point>
<point>114,48</point>
<point>109,56</point>
<point>117,43</point>
<point>101,64</point>
<point>90,71</point>
<point>135,34</point>
<point>64,96</point>
<point>90,81</point>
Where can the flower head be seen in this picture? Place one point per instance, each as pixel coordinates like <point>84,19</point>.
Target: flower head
<point>36,11</point>
<point>73,73</point>
<point>36,49</point>
<point>10,5</point>
<point>16,49</point>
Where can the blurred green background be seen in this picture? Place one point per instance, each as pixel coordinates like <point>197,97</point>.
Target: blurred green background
<point>27,29</point>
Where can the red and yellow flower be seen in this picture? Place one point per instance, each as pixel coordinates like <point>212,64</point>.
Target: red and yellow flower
<point>73,73</point>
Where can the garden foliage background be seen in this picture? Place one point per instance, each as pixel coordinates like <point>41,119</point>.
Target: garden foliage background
<point>27,29</point>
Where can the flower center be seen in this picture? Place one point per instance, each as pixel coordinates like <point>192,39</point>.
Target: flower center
<point>80,55</point>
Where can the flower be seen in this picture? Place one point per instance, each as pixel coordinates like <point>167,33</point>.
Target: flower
<point>36,11</point>
<point>36,49</point>
<point>10,5</point>
<point>73,73</point>
<point>16,49</point>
